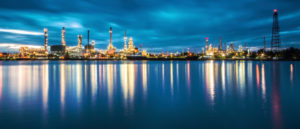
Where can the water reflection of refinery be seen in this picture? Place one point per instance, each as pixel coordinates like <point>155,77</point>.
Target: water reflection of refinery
<point>105,82</point>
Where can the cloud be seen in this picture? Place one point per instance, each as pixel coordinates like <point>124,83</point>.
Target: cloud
<point>23,32</point>
<point>290,32</point>
<point>155,24</point>
<point>70,24</point>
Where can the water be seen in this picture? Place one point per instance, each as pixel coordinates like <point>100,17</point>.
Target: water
<point>149,94</point>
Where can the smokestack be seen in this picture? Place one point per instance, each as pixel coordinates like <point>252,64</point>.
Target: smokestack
<point>220,47</point>
<point>110,40</point>
<point>206,42</point>
<point>63,42</point>
<point>125,39</point>
<point>46,38</point>
<point>79,41</point>
<point>88,40</point>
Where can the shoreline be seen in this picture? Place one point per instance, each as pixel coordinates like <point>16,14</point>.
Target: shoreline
<point>149,59</point>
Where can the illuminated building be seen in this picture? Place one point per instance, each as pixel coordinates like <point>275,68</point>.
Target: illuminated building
<point>93,43</point>
<point>144,53</point>
<point>110,49</point>
<point>230,49</point>
<point>26,52</point>
<point>240,48</point>
<point>60,50</point>
<point>211,50</point>
<point>131,48</point>
<point>76,51</point>
<point>90,49</point>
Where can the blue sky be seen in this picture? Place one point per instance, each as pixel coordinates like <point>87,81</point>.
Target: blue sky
<point>167,25</point>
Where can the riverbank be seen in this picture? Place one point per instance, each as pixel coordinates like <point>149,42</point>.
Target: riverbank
<point>149,59</point>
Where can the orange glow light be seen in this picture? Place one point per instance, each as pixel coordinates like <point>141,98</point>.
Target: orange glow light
<point>257,75</point>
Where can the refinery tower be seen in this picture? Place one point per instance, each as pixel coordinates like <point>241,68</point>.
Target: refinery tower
<point>125,42</point>
<point>63,31</point>
<point>275,42</point>
<point>110,46</point>
<point>46,39</point>
<point>110,49</point>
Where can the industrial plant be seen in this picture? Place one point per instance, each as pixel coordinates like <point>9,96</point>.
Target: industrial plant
<point>88,51</point>
<point>129,51</point>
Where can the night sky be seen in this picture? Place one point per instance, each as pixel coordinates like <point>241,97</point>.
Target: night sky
<point>162,25</point>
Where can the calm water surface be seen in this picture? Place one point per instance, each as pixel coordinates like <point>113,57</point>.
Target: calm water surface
<point>149,94</point>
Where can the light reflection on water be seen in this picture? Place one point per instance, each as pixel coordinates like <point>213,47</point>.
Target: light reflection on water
<point>263,81</point>
<point>152,94</point>
<point>171,78</point>
<point>210,82</point>
<point>292,73</point>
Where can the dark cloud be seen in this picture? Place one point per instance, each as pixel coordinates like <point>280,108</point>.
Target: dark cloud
<point>174,24</point>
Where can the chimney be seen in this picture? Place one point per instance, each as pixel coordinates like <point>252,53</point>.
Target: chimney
<point>125,39</point>
<point>110,40</point>
<point>206,42</point>
<point>63,42</point>
<point>88,40</point>
<point>46,38</point>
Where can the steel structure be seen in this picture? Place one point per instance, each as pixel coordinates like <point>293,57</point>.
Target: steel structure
<point>275,42</point>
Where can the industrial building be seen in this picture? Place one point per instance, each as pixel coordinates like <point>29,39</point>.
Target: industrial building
<point>29,52</point>
<point>60,50</point>
<point>131,49</point>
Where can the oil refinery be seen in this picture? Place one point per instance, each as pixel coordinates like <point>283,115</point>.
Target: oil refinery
<point>130,51</point>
